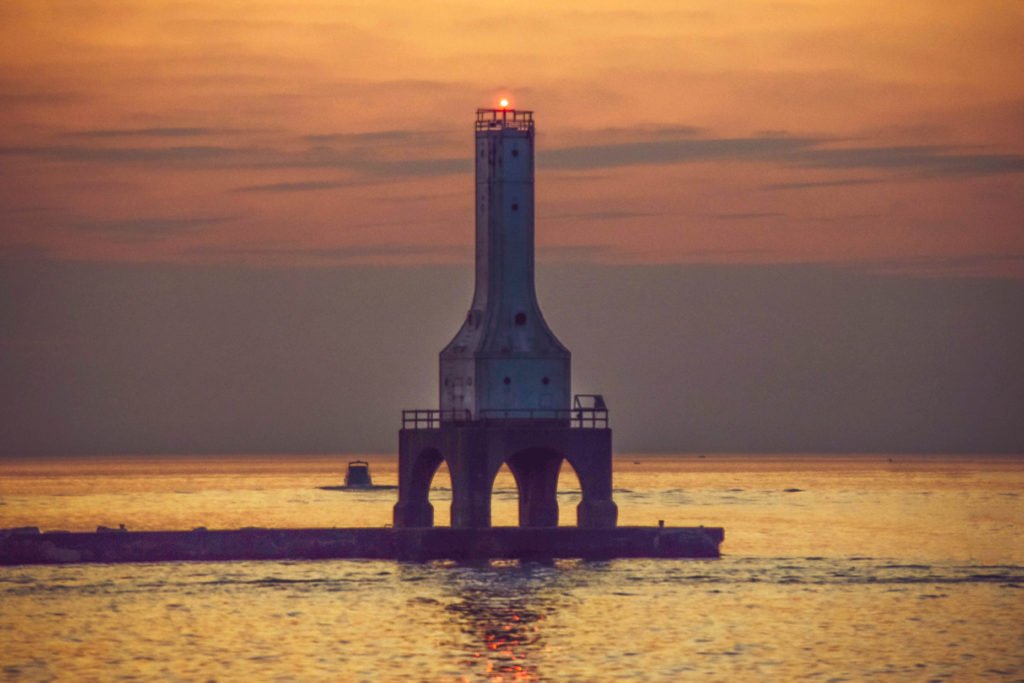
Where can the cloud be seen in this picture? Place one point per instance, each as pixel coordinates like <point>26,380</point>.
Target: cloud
<point>147,228</point>
<point>418,167</point>
<point>360,160</point>
<point>704,255</point>
<point>928,159</point>
<point>745,216</point>
<point>398,154</point>
<point>618,135</point>
<point>189,155</point>
<point>56,98</point>
<point>378,137</point>
<point>792,151</point>
<point>176,132</point>
<point>673,152</point>
<point>335,255</point>
<point>600,216</point>
<point>382,153</point>
<point>307,186</point>
<point>567,253</point>
<point>821,183</point>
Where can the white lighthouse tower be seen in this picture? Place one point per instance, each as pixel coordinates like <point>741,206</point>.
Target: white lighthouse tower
<point>504,362</point>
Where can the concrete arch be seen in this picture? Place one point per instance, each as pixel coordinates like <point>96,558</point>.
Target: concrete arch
<point>533,451</point>
<point>570,490</point>
<point>414,508</point>
<point>504,494</point>
<point>593,467</point>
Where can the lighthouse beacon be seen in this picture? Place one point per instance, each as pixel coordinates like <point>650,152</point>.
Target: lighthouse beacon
<point>505,361</point>
<point>505,393</point>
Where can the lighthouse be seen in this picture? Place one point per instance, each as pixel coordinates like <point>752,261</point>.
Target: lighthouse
<point>505,394</point>
<point>504,361</point>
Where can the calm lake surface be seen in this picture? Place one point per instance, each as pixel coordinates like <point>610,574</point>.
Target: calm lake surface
<point>834,568</point>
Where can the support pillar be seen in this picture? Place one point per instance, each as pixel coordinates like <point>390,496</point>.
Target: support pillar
<point>597,514</point>
<point>467,512</point>
<point>591,457</point>
<point>536,474</point>
<point>471,482</point>
<point>419,456</point>
<point>413,514</point>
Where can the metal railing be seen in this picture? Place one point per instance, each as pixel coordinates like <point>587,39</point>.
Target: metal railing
<point>432,419</point>
<point>487,119</point>
<point>578,418</point>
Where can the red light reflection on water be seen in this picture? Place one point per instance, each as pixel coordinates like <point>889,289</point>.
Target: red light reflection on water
<point>501,618</point>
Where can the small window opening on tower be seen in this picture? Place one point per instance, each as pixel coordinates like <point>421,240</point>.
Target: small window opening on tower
<point>508,380</point>
<point>520,318</point>
<point>515,207</point>
<point>545,381</point>
<point>515,152</point>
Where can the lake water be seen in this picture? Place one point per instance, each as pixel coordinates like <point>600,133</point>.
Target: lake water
<point>834,568</point>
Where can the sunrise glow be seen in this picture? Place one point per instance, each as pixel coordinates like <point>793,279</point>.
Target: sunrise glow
<point>844,133</point>
<point>781,244</point>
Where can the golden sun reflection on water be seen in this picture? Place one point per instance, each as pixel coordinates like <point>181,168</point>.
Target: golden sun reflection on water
<point>893,567</point>
<point>730,619</point>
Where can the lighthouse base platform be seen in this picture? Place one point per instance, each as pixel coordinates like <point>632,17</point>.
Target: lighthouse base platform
<point>28,546</point>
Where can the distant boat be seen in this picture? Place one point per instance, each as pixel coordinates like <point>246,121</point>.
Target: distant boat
<point>358,474</point>
<point>357,477</point>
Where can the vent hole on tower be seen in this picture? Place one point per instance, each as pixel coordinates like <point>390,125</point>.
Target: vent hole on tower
<point>508,380</point>
<point>515,152</point>
<point>520,318</point>
<point>545,381</point>
<point>515,207</point>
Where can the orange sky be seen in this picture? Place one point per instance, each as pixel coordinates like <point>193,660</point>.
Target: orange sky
<point>879,134</point>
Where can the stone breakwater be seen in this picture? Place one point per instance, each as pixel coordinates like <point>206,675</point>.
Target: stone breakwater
<point>28,546</point>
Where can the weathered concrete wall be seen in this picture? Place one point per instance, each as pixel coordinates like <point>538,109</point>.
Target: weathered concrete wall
<point>369,543</point>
